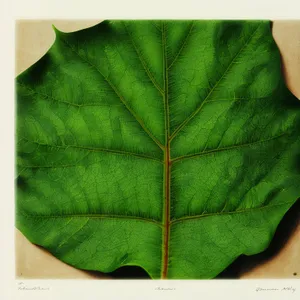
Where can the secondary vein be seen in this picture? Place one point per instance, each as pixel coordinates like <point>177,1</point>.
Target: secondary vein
<point>187,120</point>
<point>246,210</point>
<point>139,54</point>
<point>203,153</point>
<point>114,88</point>
<point>91,149</point>
<point>94,216</point>
<point>183,45</point>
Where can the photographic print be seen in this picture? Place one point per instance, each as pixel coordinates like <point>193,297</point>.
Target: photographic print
<point>169,149</point>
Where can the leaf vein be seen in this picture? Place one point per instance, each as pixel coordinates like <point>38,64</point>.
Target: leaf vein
<point>247,210</point>
<point>91,149</point>
<point>226,148</point>
<point>56,100</point>
<point>188,119</point>
<point>150,75</point>
<point>183,44</point>
<point>95,216</point>
<point>134,115</point>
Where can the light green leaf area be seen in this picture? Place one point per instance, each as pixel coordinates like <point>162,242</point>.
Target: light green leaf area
<point>169,145</point>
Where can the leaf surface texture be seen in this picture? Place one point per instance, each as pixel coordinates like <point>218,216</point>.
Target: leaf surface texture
<point>170,145</point>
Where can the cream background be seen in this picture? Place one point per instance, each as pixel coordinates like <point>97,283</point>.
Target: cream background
<point>33,39</point>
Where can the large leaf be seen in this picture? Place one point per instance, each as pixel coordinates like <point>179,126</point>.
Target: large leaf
<point>172,145</point>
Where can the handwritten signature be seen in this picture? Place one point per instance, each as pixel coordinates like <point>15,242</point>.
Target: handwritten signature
<point>24,287</point>
<point>284,289</point>
<point>164,289</point>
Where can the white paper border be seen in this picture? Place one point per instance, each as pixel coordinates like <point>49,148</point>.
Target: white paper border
<point>116,289</point>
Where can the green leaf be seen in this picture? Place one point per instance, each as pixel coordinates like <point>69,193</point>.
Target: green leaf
<point>169,145</point>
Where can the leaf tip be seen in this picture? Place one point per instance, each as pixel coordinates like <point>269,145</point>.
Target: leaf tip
<point>55,29</point>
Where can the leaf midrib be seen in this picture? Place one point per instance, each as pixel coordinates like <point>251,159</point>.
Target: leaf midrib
<point>167,163</point>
